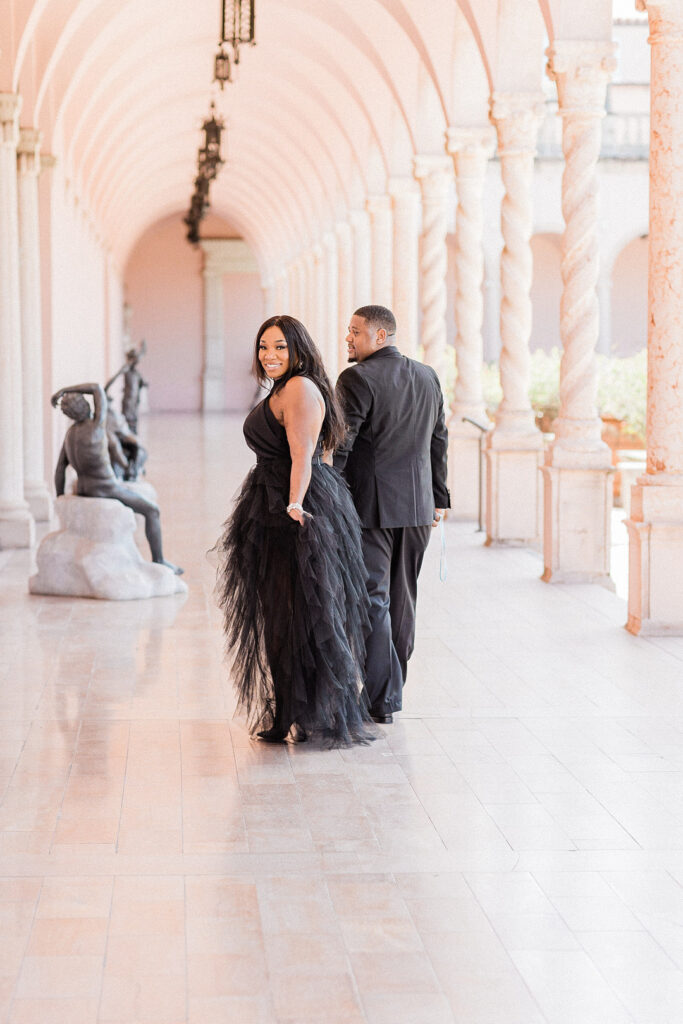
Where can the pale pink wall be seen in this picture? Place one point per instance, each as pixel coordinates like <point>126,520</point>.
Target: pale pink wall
<point>629,299</point>
<point>546,291</point>
<point>163,281</point>
<point>164,289</point>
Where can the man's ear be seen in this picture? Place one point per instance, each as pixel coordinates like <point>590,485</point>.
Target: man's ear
<point>381,336</point>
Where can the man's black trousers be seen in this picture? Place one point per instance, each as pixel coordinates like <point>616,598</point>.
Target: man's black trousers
<point>393,558</point>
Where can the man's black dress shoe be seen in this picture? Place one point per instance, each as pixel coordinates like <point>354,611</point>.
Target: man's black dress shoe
<point>381,718</point>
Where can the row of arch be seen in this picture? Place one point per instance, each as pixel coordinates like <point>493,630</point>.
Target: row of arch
<point>336,99</point>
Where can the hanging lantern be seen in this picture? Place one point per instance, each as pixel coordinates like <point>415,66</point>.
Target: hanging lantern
<point>222,71</point>
<point>238,24</point>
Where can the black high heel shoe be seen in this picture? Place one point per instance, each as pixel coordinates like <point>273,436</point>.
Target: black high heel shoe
<point>275,735</point>
<point>278,734</point>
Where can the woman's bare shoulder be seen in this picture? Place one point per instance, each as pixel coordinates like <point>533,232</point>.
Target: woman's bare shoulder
<point>299,389</point>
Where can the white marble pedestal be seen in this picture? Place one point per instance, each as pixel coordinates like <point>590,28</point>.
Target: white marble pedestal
<point>94,555</point>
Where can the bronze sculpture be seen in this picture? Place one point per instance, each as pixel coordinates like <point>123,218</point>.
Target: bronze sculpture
<point>86,449</point>
<point>133,383</point>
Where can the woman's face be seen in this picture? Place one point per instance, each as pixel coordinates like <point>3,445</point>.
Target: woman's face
<point>273,353</point>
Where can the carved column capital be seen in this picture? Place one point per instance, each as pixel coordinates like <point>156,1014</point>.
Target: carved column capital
<point>516,117</point>
<point>666,21</point>
<point>379,204</point>
<point>581,70</point>
<point>10,105</point>
<point>28,151</point>
<point>402,188</point>
<point>470,146</point>
<point>433,173</point>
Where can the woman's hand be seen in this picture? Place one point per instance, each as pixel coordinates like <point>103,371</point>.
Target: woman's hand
<point>296,515</point>
<point>295,511</point>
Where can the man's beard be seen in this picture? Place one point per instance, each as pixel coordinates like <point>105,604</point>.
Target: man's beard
<point>352,359</point>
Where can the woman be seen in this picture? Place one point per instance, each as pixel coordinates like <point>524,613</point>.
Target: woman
<point>292,581</point>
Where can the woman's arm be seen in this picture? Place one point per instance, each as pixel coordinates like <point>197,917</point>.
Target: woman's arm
<point>302,410</point>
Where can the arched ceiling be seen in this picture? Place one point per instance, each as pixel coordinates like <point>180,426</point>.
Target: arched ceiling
<point>336,98</point>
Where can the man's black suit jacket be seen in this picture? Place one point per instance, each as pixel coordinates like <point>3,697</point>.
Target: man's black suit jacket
<point>395,454</point>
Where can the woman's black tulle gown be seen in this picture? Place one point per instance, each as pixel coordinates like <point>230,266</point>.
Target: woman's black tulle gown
<point>294,598</point>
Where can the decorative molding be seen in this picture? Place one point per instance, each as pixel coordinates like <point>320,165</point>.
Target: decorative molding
<point>227,256</point>
<point>581,71</point>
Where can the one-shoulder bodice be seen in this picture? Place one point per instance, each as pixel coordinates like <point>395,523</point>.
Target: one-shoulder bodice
<point>265,436</point>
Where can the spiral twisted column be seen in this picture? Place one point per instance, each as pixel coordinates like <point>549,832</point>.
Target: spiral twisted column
<point>516,118</point>
<point>576,475</point>
<point>405,204</point>
<point>471,149</point>
<point>16,521</point>
<point>435,175</point>
<point>581,71</point>
<point>655,599</point>
<point>345,304</point>
<point>379,209</point>
<point>28,168</point>
<point>514,446</point>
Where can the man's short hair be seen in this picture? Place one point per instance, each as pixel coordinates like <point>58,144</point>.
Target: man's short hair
<point>379,318</point>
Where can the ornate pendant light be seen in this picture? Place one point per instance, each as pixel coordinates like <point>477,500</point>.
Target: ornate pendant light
<point>238,19</point>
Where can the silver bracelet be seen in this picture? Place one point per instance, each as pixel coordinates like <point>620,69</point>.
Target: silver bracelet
<point>295,505</point>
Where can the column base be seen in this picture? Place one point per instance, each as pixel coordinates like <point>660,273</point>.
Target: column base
<point>39,502</point>
<point>655,585</point>
<point>513,489</point>
<point>17,528</point>
<point>213,394</point>
<point>464,470</point>
<point>577,507</point>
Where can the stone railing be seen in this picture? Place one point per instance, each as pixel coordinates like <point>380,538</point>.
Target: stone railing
<point>624,136</point>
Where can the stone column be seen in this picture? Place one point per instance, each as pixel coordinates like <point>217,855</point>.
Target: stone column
<point>331,324</point>
<point>28,168</point>
<point>269,300</point>
<point>295,289</point>
<point>317,324</point>
<point>345,303</point>
<point>471,149</point>
<point>309,310</point>
<point>16,522</point>
<point>221,256</point>
<point>514,447</point>
<point>405,201</point>
<point>362,259</point>
<point>434,174</point>
<point>213,373</point>
<point>655,600</point>
<point>282,291</point>
<point>577,471</point>
<point>379,208</point>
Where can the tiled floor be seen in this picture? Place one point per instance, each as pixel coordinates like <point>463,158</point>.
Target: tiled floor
<point>510,852</point>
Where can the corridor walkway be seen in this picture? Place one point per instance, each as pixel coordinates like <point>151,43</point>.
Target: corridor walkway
<point>510,851</point>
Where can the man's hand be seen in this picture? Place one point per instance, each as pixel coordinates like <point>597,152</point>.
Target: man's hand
<point>56,397</point>
<point>438,516</point>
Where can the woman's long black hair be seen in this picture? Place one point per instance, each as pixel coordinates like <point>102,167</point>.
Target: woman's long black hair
<point>304,361</point>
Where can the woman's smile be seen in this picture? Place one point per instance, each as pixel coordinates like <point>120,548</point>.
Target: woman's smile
<point>273,352</point>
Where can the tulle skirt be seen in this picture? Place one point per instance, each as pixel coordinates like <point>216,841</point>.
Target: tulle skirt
<point>295,606</point>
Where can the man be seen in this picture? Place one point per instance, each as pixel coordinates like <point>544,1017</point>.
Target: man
<point>86,448</point>
<point>394,461</point>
